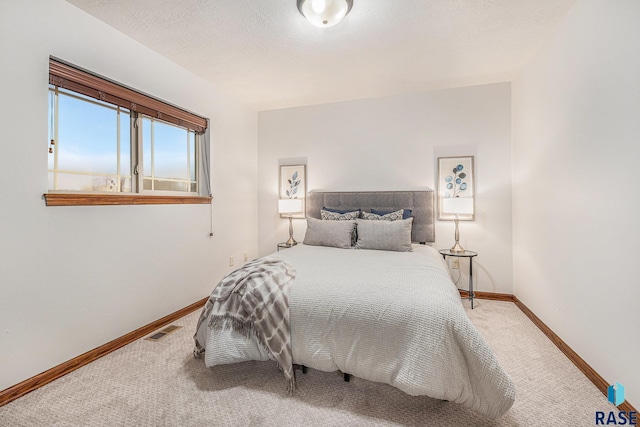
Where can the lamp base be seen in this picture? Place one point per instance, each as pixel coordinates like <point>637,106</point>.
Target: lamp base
<point>291,242</point>
<point>457,248</point>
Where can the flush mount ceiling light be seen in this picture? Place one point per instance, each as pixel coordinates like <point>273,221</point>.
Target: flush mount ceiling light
<point>324,13</point>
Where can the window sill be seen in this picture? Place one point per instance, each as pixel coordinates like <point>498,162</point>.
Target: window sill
<point>69,199</point>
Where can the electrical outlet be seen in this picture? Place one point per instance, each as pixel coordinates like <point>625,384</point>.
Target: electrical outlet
<point>455,264</point>
<point>246,256</point>
<point>230,261</point>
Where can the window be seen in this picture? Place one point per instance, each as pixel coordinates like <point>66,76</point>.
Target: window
<point>91,150</point>
<point>107,140</point>
<point>169,154</point>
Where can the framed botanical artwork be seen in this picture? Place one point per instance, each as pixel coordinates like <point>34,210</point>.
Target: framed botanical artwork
<point>293,185</point>
<point>456,181</point>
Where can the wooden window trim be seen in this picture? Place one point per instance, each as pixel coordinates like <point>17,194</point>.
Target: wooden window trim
<point>74,79</point>
<point>81,199</point>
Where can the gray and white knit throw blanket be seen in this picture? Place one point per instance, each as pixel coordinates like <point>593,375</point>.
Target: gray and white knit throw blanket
<point>254,300</point>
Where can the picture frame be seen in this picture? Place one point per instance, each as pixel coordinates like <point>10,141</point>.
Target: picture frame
<point>456,178</point>
<point>293,185</point>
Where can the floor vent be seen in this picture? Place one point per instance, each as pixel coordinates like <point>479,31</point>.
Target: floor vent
<point>163,333</point>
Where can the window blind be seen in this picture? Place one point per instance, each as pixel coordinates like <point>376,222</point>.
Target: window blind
<point>74,79</point>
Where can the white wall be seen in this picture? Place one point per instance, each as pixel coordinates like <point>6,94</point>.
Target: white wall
<point>74,278</point>
<point>576,201</point>
<point>392,143</point>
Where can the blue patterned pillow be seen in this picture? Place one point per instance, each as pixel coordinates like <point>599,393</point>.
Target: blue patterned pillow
<point>337,216</point>
<point>342,211</point>
<point>405,214</point>
<point>392,216</point>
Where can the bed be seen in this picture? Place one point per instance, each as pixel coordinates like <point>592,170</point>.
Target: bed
<point>391,316</point>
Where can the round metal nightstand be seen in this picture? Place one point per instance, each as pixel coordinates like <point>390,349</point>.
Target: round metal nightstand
<point>466,254</point>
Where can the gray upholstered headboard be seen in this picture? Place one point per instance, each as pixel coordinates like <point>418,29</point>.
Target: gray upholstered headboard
<point>421,204</point>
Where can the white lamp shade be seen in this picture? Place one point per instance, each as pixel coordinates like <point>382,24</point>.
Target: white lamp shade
<point>287,206</point>
<point>324,13</point>
<point>457,205</point>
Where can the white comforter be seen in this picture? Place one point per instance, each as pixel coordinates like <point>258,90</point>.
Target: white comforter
<point>392,317</point>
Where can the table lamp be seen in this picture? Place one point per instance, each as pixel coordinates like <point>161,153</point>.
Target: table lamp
<point>457,206</point>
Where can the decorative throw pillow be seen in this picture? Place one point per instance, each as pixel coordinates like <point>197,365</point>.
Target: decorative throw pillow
<point>336,234</point>
<point>392,216</point>
<point>406,213</point>
<point>342,211</point>
<point>336,216</point>
<point>385,235</point>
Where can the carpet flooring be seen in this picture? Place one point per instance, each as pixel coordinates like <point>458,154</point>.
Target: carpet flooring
<point>160,384</point>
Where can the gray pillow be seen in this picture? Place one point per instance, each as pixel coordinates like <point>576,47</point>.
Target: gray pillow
<point>336,234</point>
<point>384,235</point>
<point>349,215</point>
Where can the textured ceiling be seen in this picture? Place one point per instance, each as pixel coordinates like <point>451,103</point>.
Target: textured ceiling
<point>265,54</point>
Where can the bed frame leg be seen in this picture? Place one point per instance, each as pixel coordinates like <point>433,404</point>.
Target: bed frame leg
<point>347,377</point>
<point>304,369</point>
